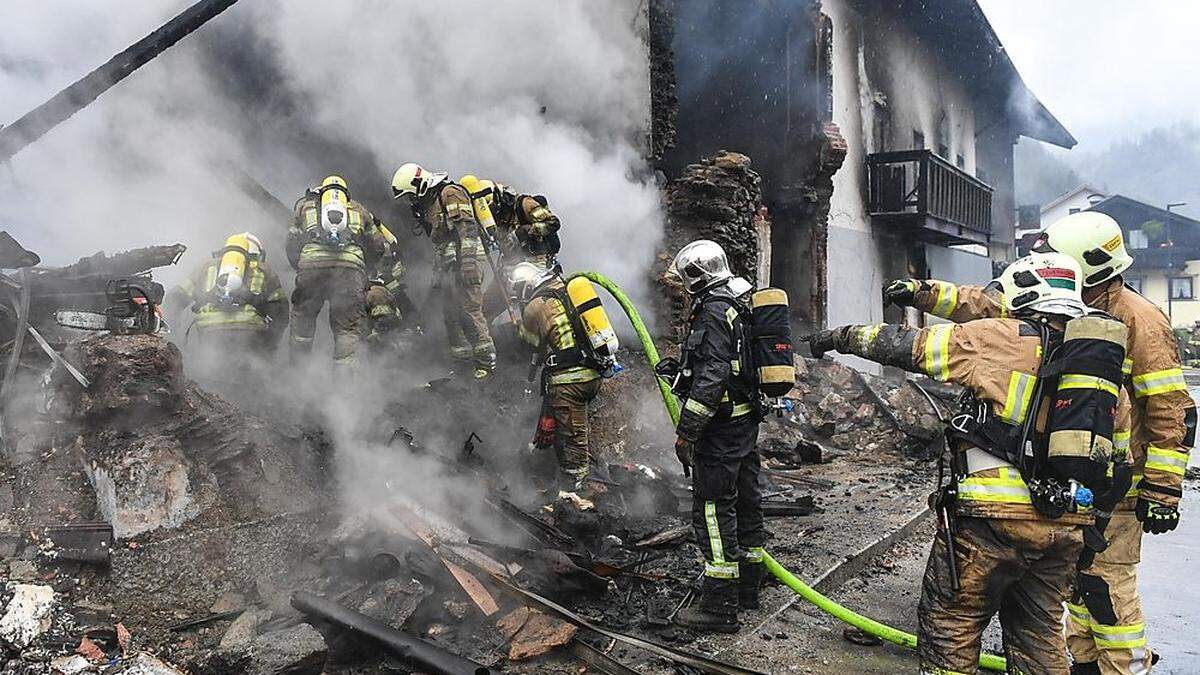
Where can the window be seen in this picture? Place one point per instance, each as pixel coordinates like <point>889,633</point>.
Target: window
<point>1181,288</point>
<point>943,150</point>
<point>962,163</point>
<point>918,140</point>
<point>1138,239</point>
<point>1135,283</point>
<point>1072,210</point>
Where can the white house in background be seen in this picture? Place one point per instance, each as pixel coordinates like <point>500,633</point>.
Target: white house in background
<point>1080,199</point>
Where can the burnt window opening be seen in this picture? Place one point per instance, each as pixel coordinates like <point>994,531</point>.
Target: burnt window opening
<point>881,129</point>
<point>960,162</point>
<point>918,140</point>
<point>943,151</point>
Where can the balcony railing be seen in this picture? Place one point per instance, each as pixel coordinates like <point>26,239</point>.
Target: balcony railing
<point>918,186</point>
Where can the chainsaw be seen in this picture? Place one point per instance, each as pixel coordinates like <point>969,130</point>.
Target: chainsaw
<point>131,311</point>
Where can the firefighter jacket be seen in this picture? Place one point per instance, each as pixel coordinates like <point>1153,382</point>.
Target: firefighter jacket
<point>714,388</point>
<point>1162,414</point>
<point>995,359</point>
<point>450,221</point>
<point>309,247</point>
<point>531,226</point>
<point>383,259</point>
<point>260,302</point>
<point>547,325</point>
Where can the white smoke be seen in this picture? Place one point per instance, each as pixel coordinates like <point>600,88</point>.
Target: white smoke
<point>549,97</point>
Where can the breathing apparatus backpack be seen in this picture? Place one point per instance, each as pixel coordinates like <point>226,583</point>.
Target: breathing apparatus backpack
<point>766,366</point>
<point>595,340</point>
<point>1080,377</point>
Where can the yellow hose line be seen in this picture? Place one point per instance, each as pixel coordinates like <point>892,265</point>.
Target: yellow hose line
<point>865,624</point>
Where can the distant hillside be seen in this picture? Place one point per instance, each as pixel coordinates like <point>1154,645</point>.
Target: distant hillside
<point>1159,167</point>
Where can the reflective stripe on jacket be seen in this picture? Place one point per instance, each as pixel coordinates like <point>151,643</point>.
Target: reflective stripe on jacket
<point>998,361</point>
<point>316,251</point>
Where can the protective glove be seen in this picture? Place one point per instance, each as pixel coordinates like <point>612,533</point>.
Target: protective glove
<point>685,450</point>
<point>901,292</point>
<point>821,342</point>
<point>1156,518</point>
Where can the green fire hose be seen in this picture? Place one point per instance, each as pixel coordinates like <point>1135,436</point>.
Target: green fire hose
<point>865,624</point>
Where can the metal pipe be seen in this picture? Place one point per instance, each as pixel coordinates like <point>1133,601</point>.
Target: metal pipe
<point>416,651</point>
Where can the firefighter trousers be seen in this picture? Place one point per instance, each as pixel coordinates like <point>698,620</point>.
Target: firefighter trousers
<point>1105,625</point>
<point>568,405</point>
<point>466,327</point>
<point>726,497</point>
<point>1019,568</point>
<point>344,289</point>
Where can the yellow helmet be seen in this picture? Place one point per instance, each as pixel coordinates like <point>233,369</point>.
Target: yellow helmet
<point>412,180</point>
<point>1093,239</point>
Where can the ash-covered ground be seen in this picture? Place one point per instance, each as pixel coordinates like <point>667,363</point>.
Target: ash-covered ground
<point>406,494</point>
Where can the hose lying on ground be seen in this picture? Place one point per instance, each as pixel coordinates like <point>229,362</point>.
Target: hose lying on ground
<point>865,624</point>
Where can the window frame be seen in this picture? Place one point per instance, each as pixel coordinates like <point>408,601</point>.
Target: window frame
<point>1191,286</point>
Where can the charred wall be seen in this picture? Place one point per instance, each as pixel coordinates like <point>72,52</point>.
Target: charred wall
<point>754,78</point>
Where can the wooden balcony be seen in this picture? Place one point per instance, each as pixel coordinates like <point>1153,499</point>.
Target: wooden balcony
<point>928,196</point>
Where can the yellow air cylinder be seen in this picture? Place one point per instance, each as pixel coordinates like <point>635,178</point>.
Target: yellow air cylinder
<point>595,321</point>
<point>231,270</point>
<point>481,195</point>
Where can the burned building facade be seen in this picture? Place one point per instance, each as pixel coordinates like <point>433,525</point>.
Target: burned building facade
<point>883,133</point>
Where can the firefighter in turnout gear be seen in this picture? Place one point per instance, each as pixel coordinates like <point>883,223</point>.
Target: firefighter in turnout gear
<point>570,375</point>
<point>443,209</point>
<point>717,433</point>
<point>1039,420</point>
<point>328,244</point>
<point>237,300</point>
<point>1105,626</point>
<point>526,226</point>
<point>384,289</point>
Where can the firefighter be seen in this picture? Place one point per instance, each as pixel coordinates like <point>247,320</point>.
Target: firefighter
<point>1015,538</point>
<point>522,228</point>
<point>716,437</point>
<point>443,208</point>
<point>238,303</point>
<point>385,290</point>
<point>329,242</point>
<point>570,377</point>
<point>527,230</point>
<point>1106,628</point>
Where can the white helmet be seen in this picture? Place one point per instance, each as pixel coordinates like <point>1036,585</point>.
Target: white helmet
<point>1047,283</point>
<point>700,265</point>
<point>414,181</point>
<point>1093,239</point>
<point>525,278</point>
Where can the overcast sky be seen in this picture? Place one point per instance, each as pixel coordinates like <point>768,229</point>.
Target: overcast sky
<point>1108,69</point>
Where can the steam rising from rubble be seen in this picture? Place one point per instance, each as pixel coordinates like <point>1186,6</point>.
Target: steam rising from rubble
<point>551,98</point>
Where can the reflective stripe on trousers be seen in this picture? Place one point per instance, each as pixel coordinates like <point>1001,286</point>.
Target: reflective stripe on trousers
<point>719,568</point>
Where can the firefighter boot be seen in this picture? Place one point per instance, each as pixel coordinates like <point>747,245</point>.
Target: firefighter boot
<point>715,611</point>
<point>750,578</point>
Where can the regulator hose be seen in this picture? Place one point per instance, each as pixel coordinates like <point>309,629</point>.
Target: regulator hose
<point>865,624</point>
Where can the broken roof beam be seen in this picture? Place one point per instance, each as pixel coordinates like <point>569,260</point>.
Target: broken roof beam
<point>125,263</point>
<point>416,651</point>
<point>35,123</point>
